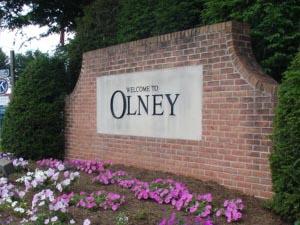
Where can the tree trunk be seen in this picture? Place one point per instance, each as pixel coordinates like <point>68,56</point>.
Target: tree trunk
<point>62,37</point>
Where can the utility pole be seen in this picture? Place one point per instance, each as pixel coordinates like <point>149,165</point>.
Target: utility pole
<point>12,68</point>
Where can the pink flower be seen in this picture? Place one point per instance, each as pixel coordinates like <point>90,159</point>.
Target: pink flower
<point>206,212</point>
<point>66,174</point>
<point>205,197</point>
<point>194,208</point>
<point>106,200</point>
<point>113,196</point>
<point>219,212</point>
<point>232,210</point>
<point>115,207</point>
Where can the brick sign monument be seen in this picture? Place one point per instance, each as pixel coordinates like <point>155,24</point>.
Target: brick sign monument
<point>194,102</point>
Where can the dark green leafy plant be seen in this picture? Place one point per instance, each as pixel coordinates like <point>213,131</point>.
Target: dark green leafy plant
<point>58,15</point>
<point>143,18</point>
<point>275,28</point>
<point>3,59</point>
<point>97,29</point>
<point>136,19</point>
<point>111,22</point>
<point>285,159</point>
<point>142,214</point>
<point>34,121</point>
<point>22,60</point>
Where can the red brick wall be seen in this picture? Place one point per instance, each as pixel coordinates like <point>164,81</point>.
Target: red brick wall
<point>238,108</point>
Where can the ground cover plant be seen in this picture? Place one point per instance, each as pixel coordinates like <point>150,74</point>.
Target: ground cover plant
<point>54,192</point>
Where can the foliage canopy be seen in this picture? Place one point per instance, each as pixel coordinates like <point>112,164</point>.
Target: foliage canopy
<point>111,22</point>
<point>143,18</point>
<point>275,25</point>
<point>275,28</point>
<point>58,15</point>
<point>96,29</point>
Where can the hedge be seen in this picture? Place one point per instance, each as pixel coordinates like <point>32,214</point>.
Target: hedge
<point>34,121</point>
<point>285,159</point>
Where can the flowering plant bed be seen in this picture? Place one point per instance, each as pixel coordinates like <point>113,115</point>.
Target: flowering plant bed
<point>97,192</point>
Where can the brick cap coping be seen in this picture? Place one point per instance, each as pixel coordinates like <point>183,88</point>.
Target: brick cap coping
<point>248,67</point>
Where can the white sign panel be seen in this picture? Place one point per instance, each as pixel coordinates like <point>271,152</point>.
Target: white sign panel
<point>4,100</point>
<point>4,72</point>
<point>161,103</point>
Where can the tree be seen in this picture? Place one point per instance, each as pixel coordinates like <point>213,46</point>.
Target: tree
<point>3,59</point>
<point>58,15</point>
<point>285,158</point>
<point>96,29</point>
<point>136,19</point>
<point>175,15</point>
<point>22,60</point>
<point>144,18</point>
<point>34,121</point>
<point>275,28</point>
<point>110,22</point>
<point>274,25</point>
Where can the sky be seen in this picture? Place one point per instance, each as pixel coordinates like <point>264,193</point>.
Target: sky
<point>17,40</point>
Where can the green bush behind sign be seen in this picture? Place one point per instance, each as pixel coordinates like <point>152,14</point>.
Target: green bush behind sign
<point>34,121</point>
<point>285,159</point>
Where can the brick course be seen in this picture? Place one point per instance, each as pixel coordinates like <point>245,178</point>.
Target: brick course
<point>238,108</point>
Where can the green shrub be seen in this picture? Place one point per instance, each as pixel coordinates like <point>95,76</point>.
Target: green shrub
<point>33,123</point>
<point>285,159</point>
